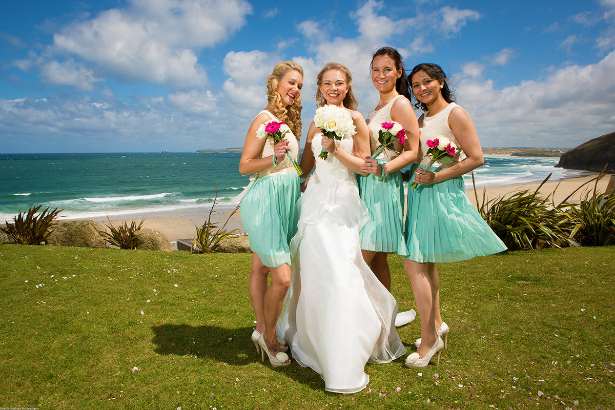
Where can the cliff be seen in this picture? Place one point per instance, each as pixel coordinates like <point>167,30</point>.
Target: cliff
<point>592,155</point>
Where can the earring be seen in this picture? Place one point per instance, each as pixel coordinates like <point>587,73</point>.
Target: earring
<point>441,87</point>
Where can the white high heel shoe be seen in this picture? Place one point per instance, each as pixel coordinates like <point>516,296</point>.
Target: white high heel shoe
<point>415,361</point>
<point>442,332</point>
<point>256,335</point>
<point>280,359</point>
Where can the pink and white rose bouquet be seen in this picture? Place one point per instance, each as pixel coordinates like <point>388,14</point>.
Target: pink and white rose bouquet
<point>441,150</point>
<point>276,130</point>
<point>387,134</point>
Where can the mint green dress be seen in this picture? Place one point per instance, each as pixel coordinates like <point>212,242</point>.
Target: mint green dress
<point>268,206</point>
<point>441,223</point>
<point>383,197</point>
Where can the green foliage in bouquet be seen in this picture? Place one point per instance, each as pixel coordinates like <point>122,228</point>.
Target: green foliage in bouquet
<point>123,236</point>
<point>30,228</point>
<point>208,237</point>
<point>594,217</point>
<point>526,220</point>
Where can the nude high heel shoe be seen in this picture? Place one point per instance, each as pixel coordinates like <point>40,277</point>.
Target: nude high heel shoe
<point>280,359</point>
<point>415,361</point>
<point>256,334</point>
<point>442,332</point>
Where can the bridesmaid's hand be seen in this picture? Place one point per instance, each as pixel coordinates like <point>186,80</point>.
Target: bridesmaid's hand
<point>371,166</point>
<point>422,176</point>
<point>328,144</point>
<point>279,150</point>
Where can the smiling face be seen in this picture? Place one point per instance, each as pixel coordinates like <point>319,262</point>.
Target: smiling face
<point>384,73</point>
<point>289,87</point>
<point>426,89</point>
<point>334,87</point>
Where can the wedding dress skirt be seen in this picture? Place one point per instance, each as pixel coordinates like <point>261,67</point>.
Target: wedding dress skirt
<point>337,314</point>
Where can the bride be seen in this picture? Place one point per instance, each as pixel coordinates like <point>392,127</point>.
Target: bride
<point>337,316</point>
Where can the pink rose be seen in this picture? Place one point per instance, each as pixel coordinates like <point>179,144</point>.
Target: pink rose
<point>450,150</point>
<point>273,126</point>
<point>401,136</point>
<point>433,143</point>
<point>387,125</point>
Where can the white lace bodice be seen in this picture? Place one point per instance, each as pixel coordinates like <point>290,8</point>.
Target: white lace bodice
<point>374,119</point>
<point>286,166</point>
<point>331,168</point>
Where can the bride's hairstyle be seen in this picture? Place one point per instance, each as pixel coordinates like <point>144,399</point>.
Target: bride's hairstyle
<point>350,101</point>
<point>402,85</point>
<point>434,71</point>
<point>291,114</point>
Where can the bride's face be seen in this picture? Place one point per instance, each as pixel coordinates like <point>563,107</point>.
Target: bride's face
<point>334,87</point>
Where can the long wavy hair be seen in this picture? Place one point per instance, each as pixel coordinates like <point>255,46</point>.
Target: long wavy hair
<point>402,85</point>
<point>291,114</point>
<point>349,101</point>
<point>436,72</point>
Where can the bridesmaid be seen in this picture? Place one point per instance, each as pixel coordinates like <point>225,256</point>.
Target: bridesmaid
<point>268,207</point>
<point>441,224</point>
<point>384,197</point>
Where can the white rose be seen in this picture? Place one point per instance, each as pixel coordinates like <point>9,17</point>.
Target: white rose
<point>331,125</point>
<point>396,128</point>
<point>443,142</point>
<point>260,132</point>
<point>343,128</point>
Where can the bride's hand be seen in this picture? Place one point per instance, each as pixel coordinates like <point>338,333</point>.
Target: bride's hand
<point>279,150</point>
<point>328,144</point>
<point>371,166</point>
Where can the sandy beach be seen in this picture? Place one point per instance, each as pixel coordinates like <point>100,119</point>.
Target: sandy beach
<point>181,224</point>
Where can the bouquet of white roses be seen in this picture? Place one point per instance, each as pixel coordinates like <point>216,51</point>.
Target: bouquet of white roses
<point>276,131</point>
<point>441,150</point>
<point>386,134</point>
<point>334,122</point>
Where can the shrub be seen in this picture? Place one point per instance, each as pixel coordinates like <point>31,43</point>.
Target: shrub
<point>31,229</point>
<point>526,220</point>
<point>593,218</point>
<point>208,237</point>
<point>123,236</point>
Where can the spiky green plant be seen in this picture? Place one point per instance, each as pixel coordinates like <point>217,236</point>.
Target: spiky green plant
<point>31,228</point>
<point>526,220</point>
<point>594,217</point>
<point>208,237</point>
<point>123,236</point>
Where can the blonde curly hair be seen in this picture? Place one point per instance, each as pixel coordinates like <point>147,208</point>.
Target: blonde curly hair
<point>350,101</point>
<point>292,113</point>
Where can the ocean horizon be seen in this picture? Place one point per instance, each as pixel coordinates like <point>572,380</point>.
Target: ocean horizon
<point>100,185</point>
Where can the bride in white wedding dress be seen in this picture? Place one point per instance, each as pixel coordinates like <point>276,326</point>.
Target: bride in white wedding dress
<point>337,314</point>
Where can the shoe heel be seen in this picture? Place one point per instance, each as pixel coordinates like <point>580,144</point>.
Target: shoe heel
<point>438,360</point>
<point>258,347</point>
<point>445,340</point>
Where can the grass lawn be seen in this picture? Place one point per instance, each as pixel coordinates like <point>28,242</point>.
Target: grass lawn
<point>106,328</point>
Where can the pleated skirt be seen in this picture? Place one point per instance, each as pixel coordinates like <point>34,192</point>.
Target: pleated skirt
<point>384,200</point>
<point>268,215</point>
<point>443,226</point>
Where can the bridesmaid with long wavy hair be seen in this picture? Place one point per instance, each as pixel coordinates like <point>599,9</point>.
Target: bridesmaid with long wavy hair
<point>268,207</point>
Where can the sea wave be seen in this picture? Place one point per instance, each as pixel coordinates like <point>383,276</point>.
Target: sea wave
<point>129,198</point>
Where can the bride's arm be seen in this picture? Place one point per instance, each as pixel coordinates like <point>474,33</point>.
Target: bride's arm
<point>307,156</point>
<point>361,144</point>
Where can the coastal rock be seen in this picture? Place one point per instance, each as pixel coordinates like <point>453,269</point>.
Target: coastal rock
<point>592,155</point>
<point>235,244</point>
<point>77,233</point>
<point>153,240</point>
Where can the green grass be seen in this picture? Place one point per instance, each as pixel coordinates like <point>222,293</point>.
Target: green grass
<point>528,328</point>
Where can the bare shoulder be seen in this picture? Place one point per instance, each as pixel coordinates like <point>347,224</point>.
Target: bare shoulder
<point>401,104</point>
<point>312,130</point>
<point>356,115</point>
<point>458,114</point>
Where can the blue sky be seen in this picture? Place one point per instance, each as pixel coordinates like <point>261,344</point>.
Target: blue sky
<point>183,75</point>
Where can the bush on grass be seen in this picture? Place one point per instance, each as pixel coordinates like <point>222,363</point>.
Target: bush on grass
<point>31,228</point>
<point>123,236</point>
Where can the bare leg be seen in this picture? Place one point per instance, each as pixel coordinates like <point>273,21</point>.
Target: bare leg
<point>380,267</point>
<point>425,288</point>
<point>257,288</point>
<point>274,301</point>
<point>436,279</point>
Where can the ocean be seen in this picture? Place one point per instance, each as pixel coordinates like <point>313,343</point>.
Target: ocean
<point>101,185</point>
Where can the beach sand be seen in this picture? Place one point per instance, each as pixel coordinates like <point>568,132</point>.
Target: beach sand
<point>181,224</point>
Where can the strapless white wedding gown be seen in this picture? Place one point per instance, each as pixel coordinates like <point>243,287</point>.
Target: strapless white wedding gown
<point>337,315</point>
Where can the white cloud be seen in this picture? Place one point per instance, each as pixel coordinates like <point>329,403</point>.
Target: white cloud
<point>553,112</point>
<point>503,56</point>
<point>453,19</point>
<point>195,102</point>
<point>69,73</point>
<point>153,40</point>
<point>473,69</point>
<point>567,44</point>
<point>271,13</point>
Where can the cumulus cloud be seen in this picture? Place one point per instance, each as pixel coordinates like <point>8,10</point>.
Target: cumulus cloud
<point>453,19</point>
<point>153,41</point>
<point>69,73</point>
<point>502,57</point>
<point>473,69</point>
<point>554,111</point>
<point>195,102</point>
